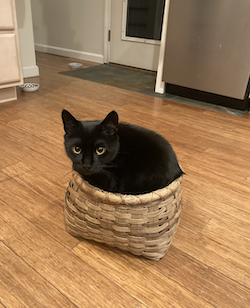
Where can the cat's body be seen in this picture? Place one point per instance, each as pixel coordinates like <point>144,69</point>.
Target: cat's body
<point>119,157</point>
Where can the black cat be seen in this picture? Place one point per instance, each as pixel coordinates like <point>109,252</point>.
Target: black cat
<point>119,157</point>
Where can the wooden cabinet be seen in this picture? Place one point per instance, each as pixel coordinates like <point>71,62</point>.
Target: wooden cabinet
<point>10,61</point>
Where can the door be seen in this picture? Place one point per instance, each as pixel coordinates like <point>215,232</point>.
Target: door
<point>136,32</point>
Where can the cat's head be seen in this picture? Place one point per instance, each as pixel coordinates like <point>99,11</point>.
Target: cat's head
<point>91,145</point>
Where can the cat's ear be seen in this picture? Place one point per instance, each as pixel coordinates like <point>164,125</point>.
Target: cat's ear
<point>69,122</point>
<point>110,124</point>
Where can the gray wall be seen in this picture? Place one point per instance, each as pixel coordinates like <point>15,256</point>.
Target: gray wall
<point>70,28</point>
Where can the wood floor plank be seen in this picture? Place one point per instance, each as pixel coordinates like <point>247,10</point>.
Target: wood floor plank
<point>242,134</point>
<point>202,280</point>
<point>50,168</point>
<point>216,163</point>
<point>145,283</point>
<point>199,119</point>
<point>32,112</point>
<point>16,170</point>
<point>9,113</point>
<point>47,148</point>
<point>35,142</point>
<point>50,134</point>
<point>215,141</point>
<point>219,192</point>
<point>75,279</point>
<point>3,177</point>
<point>240,166</point>
<point>228,236</point>
<point>38,210</point>
<point>226,144</point>
<point>9,299</point>
<point>193,219</point>
<point>21,286</point>
<point>202,177</point>
<point>234,216</point>
<point>7,159</point>
<point>48,189</point>
<point>242,121</point>
<point>221,258</point>
<point>246,117</point>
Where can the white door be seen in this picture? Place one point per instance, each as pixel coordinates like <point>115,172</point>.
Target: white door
<point>135,32</point>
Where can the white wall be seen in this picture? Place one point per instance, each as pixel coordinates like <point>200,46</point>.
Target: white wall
<point>26,39</point>
<point>70,28</point>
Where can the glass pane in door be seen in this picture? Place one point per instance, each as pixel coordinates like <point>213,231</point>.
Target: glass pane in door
<point>144,18</point>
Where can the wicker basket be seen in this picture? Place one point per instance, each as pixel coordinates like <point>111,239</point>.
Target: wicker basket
<point>141,224</point>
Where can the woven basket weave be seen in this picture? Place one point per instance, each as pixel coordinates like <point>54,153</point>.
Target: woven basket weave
<point>141,224</point>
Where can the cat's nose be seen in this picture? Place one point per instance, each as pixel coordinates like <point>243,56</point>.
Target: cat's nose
<point>87,166</point>
<point>87,170</point>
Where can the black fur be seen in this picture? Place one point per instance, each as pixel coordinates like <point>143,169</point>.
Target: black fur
<point>136,161</point>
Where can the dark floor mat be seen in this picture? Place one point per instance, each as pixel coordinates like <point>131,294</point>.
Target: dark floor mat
<point>139,81</point>
<point>116,76</point>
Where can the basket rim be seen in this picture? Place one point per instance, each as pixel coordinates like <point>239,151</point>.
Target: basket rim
<point>125,199</point>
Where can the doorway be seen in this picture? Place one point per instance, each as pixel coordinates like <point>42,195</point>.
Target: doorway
<point>136,32</point>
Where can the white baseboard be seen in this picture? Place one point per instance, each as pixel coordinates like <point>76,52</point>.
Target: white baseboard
<point>30,71</point>
<point>70,53</point>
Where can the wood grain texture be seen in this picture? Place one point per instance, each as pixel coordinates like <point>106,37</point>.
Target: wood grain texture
<point>207,283</point>
<point>207,200</point>
<point>75,279</point>
<point>136,277</point>
<point>38,210</point>
<point>221,258</point>
<point>228,236</point>
<point>22,286</point>
<point>3,177</point>
<point>193,218</point>
<point>208,263</point>
<point>33,159</point>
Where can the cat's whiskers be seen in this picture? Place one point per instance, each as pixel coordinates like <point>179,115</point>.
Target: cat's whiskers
<point>127,153</point>
<point>107,174</point>
<point>109,165</point>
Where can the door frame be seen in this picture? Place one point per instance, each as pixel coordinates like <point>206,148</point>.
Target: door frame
<point>159,85</point>
<point>107,29</point>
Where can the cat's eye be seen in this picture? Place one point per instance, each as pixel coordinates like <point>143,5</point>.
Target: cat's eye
<point>100,150</point>
<point>77,150</point>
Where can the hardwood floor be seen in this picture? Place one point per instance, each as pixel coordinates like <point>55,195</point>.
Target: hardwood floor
<point>208,264</point>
